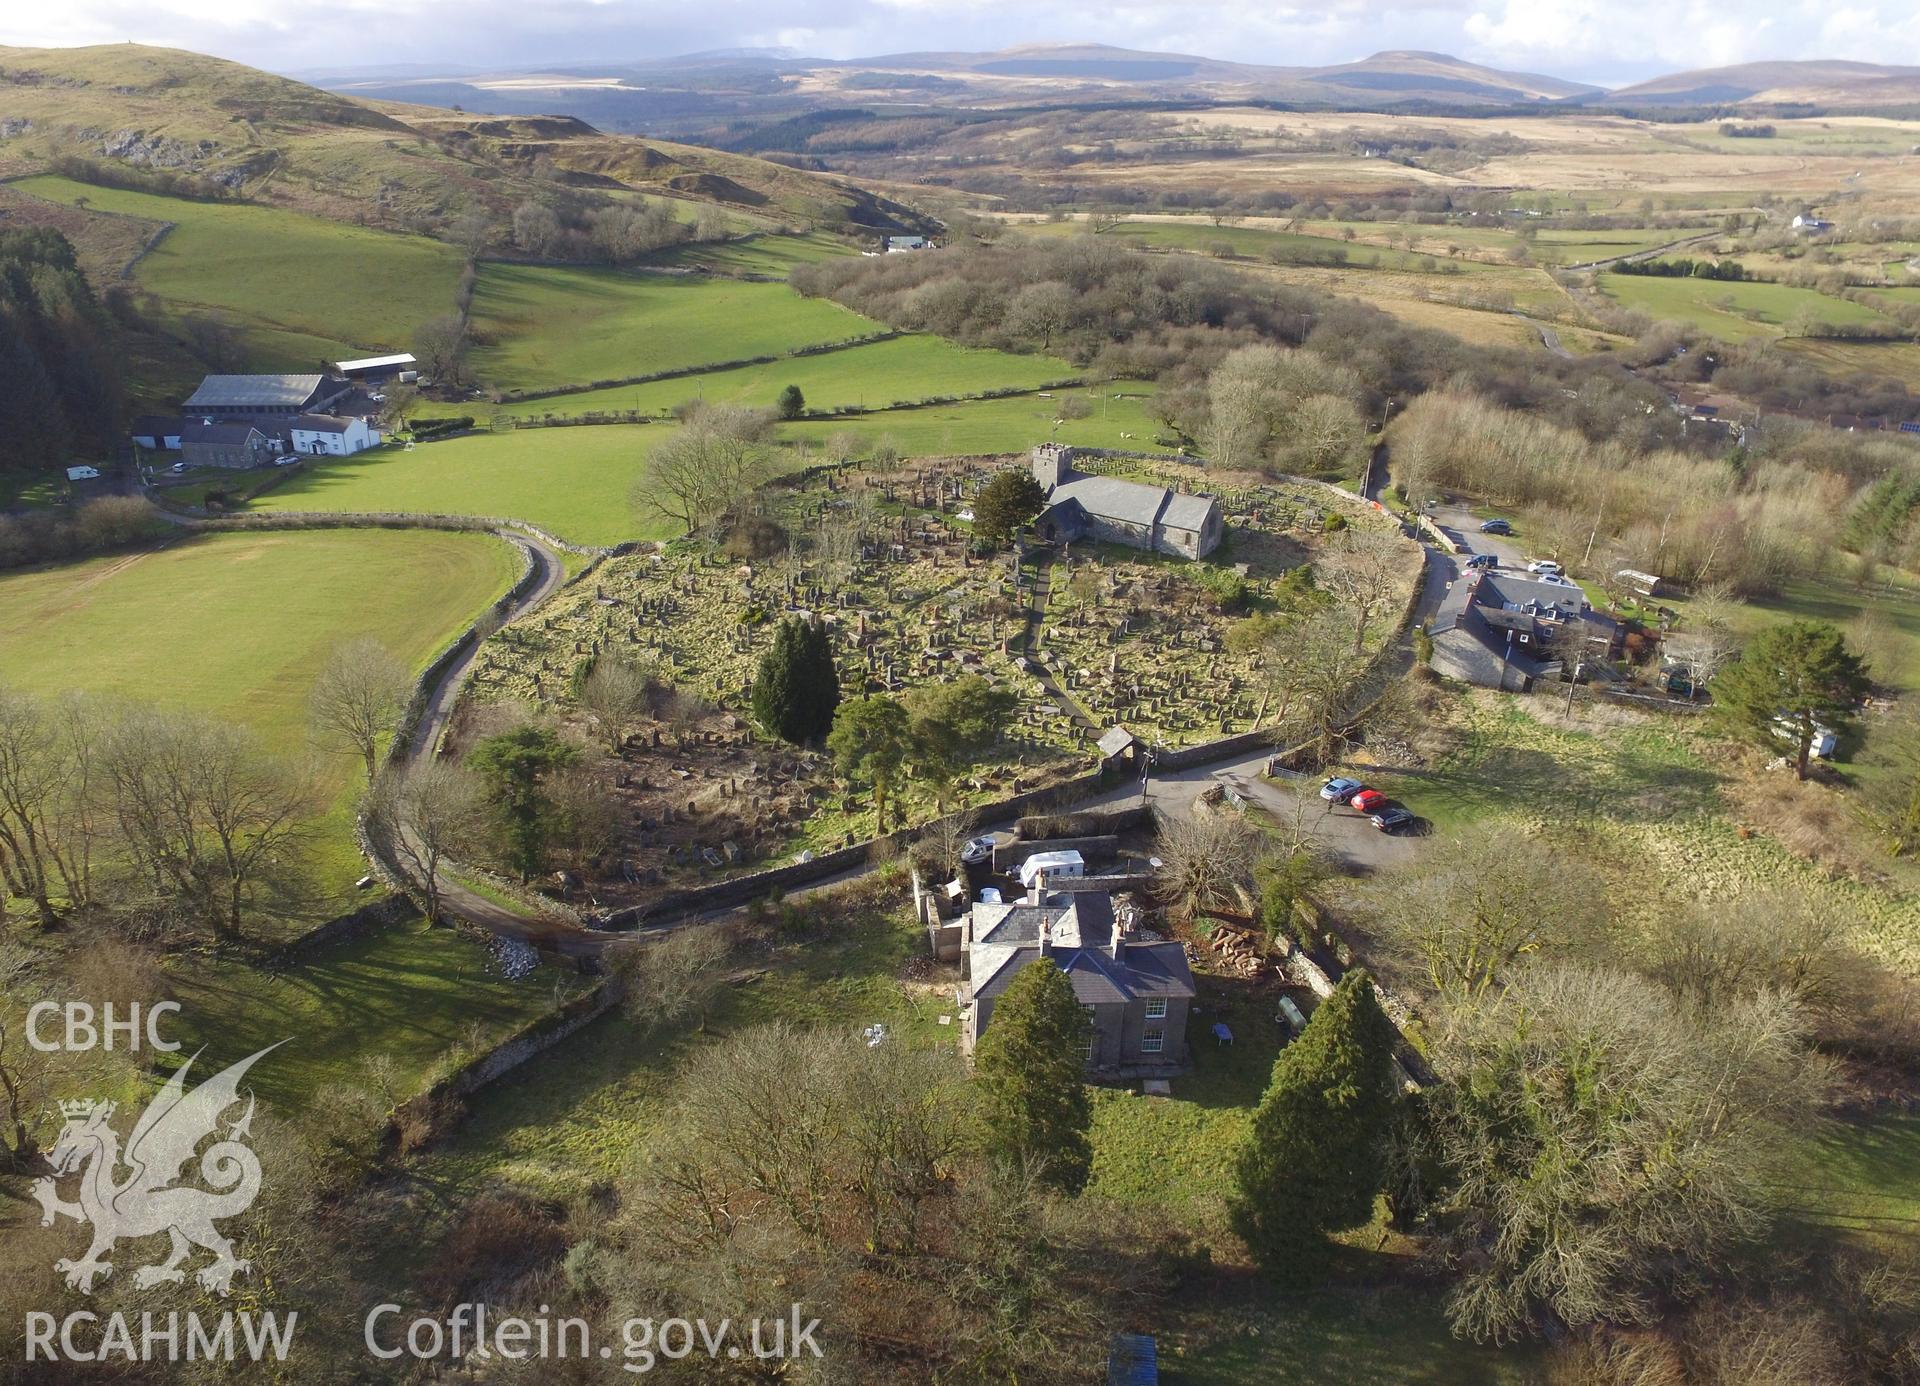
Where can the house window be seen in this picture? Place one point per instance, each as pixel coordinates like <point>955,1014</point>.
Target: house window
<point>1086,1050</point>
<point>1153,1041</point>
<point>1157,1008</point>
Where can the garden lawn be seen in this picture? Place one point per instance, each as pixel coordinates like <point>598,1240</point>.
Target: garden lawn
<point>238,625</point>
<point>1755,310</point>
<point>872,375</point>
<point>573,482</point>
<point>407,995</point>
<point>540,327</point>
<point>300,289</point>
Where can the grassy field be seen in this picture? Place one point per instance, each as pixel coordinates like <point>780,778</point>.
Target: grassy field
<point>237,625</point>
<point>872,375</point>
<point>1001,425</point>
<point>542,327</point>
<point>406,995</point>
<point>573,482</point>
<point>1862,1179</point>
<point>1733,311</point>
<point>1201,236</point>
<point>577,482</point>
<point>301,290</point>
<point>763,254</point>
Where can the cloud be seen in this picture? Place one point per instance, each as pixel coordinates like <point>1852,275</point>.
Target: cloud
<point>1603,40</point>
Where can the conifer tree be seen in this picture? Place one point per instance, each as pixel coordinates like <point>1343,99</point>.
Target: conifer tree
<point>797,687</point>
<point>1316,1155</point>
<point>1030,1067</point>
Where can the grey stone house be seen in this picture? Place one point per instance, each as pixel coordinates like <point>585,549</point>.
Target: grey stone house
<point>1502,629</point>
<point>1136,992</point>
<point>1115,511</point>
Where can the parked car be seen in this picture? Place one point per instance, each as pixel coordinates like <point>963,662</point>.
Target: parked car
<point>978,850</point>
<point>1496,527</point>
<point>1339,789</point>
<point>177,468</point>
<point>1545,567</point>
<point>1392,820</point>
<point>1369,801</point>
<point>1484,560</point>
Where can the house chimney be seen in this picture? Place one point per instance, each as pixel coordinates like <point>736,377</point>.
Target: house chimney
<point>1037,892</point>
<point>1119,941</point>
<point>1046,939</point>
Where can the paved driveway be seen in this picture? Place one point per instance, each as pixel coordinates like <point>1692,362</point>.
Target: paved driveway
<point>1463,527</point>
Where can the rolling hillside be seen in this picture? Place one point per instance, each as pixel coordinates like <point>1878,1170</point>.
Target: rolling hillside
<point>271,139</point>
<point>1812,82</point>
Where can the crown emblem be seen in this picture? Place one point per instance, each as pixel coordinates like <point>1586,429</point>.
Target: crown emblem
<point>82,1108</point>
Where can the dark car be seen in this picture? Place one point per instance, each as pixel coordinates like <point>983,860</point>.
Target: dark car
<point>1392,820</point>
<point>1484,560</point>
<point>1496,527</point>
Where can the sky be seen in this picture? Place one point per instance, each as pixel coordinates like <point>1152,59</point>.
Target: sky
<point>1607,42</point>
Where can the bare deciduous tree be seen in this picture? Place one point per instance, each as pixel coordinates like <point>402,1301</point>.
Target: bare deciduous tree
<point>1207,861</point>
<point>672,980</point>
<point>718,457</point>
<point>617,694</point>
<point>206,816</point>
<point>1367,570</point>
<point>428,812</point>
<point>1482,902</point>
<point>1605,1140</point>
<point>358,698</point>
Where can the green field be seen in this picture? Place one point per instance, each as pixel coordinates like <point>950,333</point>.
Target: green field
<point>408,994</point>
<point>542,327</point>
<point>872,375</point>
<point>301,290</point>
<point>577,482</point>
<point>237,625</point>
<point>1001,425</point>
<point>1732,311</point>
<point>573,482</point>
<point>763,254</point>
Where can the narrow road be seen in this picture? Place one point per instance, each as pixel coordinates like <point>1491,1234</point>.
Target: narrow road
<point>555,935</point>
<point>1548,337</point>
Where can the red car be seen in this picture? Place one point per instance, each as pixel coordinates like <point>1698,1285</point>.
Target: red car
<point>1368,801</point>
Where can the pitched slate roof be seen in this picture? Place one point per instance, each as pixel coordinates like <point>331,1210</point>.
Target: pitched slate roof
<point>254,391</point>
<point>322,423</point>
<point>236,432</point>
<point>1007,937</point>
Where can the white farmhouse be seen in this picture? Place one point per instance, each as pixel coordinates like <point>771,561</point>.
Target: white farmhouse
<point>331,435</point>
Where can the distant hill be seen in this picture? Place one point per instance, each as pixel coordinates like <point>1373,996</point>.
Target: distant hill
<point>1812,82</point>
<point>381,163</point>
<point>703,91</point>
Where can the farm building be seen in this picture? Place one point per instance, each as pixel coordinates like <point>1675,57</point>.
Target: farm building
<point>1497,629</point>
<point>252,396</point>
<point>157,433</point>
<point>1135,990</point>
<point>233,445</point>
<point>330,435</point>
<point>1132,513</point>
<point>1646,584</point>
<point>376,368</point>
<point>897,244</point>
<point>1811,226</point>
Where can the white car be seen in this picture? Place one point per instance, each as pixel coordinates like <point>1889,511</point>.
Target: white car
<point>1545,567</point>
<point>978,850</point>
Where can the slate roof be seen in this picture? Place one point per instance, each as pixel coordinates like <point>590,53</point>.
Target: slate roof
<point>1115,740</point>
<point>322,423</point>
<point>1007,937</point>
<point>236,432</point>
<point>1187,512</point>
<point>156,426</point>
<point>254,391</point>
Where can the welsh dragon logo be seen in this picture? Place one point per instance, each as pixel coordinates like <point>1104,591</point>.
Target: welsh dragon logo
<point>147,1199</point>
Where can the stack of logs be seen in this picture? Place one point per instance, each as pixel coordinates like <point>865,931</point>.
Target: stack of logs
<point>1239,949</point>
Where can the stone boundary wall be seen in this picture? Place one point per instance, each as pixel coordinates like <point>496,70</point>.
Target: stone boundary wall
<point>531,1040</point>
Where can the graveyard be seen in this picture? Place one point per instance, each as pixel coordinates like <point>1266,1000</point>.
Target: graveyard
<point>1086,636</point>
